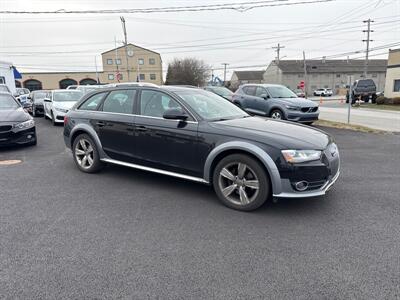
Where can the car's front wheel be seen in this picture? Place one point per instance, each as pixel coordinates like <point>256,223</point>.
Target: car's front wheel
<point>277,114</point>
<point>86,155</point>
<point>240,182</point>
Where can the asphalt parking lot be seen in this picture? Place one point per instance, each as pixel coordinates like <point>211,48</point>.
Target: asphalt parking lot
<point>127,234</point>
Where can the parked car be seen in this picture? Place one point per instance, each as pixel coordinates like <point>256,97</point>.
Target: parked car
<point>126,84</point>
<point>275,101</point>
<point>72,87</point>
<point>58,102</point>
<point>4,88</point>
<point>16,126</point>
<point>22,95</point>
<point>195,135</point>
<point>323,92</point>
<point>300,93</point>
<point>88,88</point>
<point>362,89</point>
<point>220,91</point>
<point>37,98</point>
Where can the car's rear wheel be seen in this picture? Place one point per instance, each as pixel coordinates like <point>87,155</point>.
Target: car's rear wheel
<point>277,114</point>
<point>240,182</point>
<point>86,155</point>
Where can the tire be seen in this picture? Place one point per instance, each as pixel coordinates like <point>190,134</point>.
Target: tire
<point>245,192</point>
<point>315,94</point>
<point>53,120</point>
<point>373,99</point>
<point>79,157</point>
<point>366,99</point>
<point>308,123</point>
<point>277,114</point>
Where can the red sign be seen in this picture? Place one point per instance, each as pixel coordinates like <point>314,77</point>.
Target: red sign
<point>302,84</point>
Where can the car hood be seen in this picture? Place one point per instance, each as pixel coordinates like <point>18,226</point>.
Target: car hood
<point>301,102</point>
<point>281,134</point>
<point>15,115</point>
<point>64,104</point>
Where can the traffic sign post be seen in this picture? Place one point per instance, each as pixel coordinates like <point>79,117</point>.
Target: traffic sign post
<point>350,81</point>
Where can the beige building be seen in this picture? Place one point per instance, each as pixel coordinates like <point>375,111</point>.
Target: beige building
<point>123,64</point>
<point>392,87</point>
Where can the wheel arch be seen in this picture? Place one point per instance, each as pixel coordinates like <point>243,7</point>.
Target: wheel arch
<point>246,148</point>
<point>86,129</point>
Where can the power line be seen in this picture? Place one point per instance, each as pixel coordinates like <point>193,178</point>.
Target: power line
<point>241,7</point>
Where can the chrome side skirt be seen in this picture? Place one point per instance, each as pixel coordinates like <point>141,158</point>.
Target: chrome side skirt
<point>159,171</point>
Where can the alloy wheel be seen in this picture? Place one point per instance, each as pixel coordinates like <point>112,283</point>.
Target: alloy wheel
<point>84,153</point>
<point>276,115</point>
<point>238,183</point>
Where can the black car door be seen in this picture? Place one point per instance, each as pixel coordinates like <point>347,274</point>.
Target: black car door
<point>114,123</point>
<point>164,144</point>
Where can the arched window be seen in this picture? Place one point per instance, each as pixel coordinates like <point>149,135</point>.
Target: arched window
<point>67,82</point>
<point>87,81</point>
<point>18,84</point>
<point>33,84</point>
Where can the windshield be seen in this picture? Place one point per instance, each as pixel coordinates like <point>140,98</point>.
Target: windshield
<point>67,96</point>
<point>209,106</point>
<point>281,92</point>
<point>222,91</point>
<point>7,102</point>
<point>4,88</point>
<point>39,95</point>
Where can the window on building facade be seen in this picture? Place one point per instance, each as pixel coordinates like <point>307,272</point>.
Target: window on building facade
<point>337,75</point>
<point>109,61</point>
<point>152,61</point>
<point>152,76</point>
<point>396,85</point>
<point>110,76</point>
<point>118,61</point>
<point>141,61</point>
<point>142,77</point>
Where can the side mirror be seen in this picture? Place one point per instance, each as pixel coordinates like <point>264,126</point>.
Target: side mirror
<point>46,100</point>
<point>175,114</point>
<point>264,96</point>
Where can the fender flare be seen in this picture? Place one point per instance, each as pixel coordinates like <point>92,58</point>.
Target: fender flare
<point>251,149</point>
<point>92,133</point>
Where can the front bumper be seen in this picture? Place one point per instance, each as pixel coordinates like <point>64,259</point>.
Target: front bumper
<point>59,116</point>
<point>298,116</point>
<point>20,137</point>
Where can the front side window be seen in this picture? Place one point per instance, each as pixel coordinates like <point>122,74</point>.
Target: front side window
<point>260,91</point>
<point>141,61</point>
<point>280,92</point>
<point>396,85</point>
<point>209,106</point>
<point>120,102</point>
<point>154,103</point>
<point>93,102</point>
<point>109,61</point>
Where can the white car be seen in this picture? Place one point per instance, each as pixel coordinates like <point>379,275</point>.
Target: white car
<point>58,102</point>
<point>323,92</point>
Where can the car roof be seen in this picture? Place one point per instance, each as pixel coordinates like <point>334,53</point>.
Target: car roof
<point>66,91</point>
<point>130,84</point>
<point>263,84</point>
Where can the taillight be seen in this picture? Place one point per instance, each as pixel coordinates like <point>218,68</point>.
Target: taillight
<point>65,120</point>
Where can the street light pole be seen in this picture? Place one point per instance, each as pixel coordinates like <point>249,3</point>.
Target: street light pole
<point>126,46</point>
<point>225,64</point>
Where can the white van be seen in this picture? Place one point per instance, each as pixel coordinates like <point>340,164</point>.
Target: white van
<point>7,76</point>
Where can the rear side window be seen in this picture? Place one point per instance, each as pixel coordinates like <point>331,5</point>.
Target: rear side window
<point>93,102</point>
<point>120,101</point>
<point>250,90</point>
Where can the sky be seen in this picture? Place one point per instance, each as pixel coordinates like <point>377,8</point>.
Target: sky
<point>244,40</point>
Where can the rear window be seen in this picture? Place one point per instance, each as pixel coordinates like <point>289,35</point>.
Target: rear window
<point>366,83</point>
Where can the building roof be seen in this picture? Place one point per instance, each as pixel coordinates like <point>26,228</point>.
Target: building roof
<point>249,75</point>
<point>332,66</point>
<point>130,45</point>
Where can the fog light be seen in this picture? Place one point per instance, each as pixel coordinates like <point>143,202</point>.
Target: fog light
<point>29,136</point>
<point>301,185</point>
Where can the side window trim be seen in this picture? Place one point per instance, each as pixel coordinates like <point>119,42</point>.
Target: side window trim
<point>98,105</point>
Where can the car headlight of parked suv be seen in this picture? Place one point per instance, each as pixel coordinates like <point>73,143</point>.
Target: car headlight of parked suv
<point>26,124</point>
<point>291,107</point>
<point>299,156</point>
<point>61,110</point>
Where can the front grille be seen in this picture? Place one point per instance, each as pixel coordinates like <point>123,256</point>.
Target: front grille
<point>305,109</point>
<point>314,109</point>
<point>309,109</point>
<point>5,128</point>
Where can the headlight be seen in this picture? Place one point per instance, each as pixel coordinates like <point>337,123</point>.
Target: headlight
<point>292,107</point>
<point>26,124</point>
<point>61,110</point>
<point>299,156</point>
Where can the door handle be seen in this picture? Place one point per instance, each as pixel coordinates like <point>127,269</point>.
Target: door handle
<point>101,123</point>
<point>141,128</point>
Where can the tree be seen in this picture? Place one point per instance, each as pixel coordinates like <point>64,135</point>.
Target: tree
<point>188,71</point>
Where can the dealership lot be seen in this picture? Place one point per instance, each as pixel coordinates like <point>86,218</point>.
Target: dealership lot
<point>128,234</point>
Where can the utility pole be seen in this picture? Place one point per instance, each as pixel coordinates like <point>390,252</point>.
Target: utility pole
<point>116,59</point>
<point>126,46</point>
<point>224,64</point>
<point>305,75</point>
<point>97,74</point>
<point>368,31</point>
